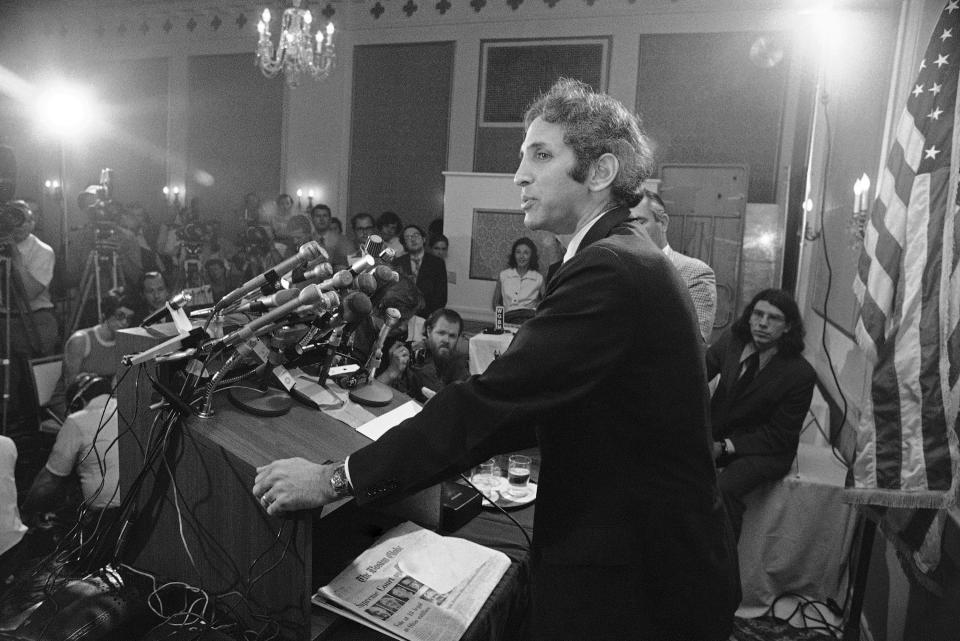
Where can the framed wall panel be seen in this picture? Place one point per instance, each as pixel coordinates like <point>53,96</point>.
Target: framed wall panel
<point>512,74</point>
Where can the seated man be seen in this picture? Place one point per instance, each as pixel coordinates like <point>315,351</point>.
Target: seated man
<point>698,276</point>
<point>94,350</point>
<point>761,400</point>
<point>434,364</point>
<point>427,271</point>
<point>152,296</point>
<point>86,446</point>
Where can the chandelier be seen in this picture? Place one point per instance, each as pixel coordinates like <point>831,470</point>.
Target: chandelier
<point>295,53</point>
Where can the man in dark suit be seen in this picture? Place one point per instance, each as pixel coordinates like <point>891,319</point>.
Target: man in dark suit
<point>762,398</point>
<point>630,540</point>
<point>428,271</point>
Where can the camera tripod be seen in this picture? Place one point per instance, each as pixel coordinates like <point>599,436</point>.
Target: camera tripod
<point>13,292</point>
<point>91,278</point>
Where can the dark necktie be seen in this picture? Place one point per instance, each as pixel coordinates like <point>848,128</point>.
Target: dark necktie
<point>749,372</point>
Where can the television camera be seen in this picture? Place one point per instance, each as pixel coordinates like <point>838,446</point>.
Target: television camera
<point>103,213</point>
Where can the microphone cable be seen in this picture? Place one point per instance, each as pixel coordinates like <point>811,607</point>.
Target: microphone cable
<point>523,530</point>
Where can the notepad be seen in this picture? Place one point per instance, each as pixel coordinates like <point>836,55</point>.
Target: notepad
<point>382,424</point>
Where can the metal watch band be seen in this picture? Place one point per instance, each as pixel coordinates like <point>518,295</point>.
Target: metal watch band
<point>339,483</point>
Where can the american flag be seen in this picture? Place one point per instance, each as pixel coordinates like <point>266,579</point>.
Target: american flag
<point>908,286</point>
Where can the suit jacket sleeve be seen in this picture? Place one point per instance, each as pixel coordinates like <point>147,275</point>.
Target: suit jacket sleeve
<point>703,291</point>
<point>590,311</point>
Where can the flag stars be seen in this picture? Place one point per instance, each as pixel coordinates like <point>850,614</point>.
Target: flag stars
<point>931,153</point>
<point>941,60</point>
<point>935,114</point>
<point>947,33</point>
<point>952,6</point>
<point>923,63</point>
<point>917,91</point>
<point>935,89</point>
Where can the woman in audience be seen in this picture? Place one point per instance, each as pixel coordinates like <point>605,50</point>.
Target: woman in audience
<point>520,286</point>
<point>93,350</point>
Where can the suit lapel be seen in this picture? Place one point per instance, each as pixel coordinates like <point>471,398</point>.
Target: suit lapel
<point>603,227</point>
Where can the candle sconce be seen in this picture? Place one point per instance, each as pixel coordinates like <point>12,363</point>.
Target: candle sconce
<point>53,189</point>
<point>809,231</point>
<point>858,218</point>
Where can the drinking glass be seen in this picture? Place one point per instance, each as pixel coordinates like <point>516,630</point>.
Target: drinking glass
<point>518,476</point>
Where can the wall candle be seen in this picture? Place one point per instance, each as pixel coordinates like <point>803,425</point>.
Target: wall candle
<point>865,185</point>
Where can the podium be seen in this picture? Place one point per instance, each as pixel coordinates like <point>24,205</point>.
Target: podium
<point>198,498</point>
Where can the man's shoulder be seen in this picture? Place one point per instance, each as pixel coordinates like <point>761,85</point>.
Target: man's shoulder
<point>689,262</point>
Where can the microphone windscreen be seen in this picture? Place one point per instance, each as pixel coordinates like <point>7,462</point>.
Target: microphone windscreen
<point>356,305</point>
<point>373,246</point>
<point>366,283</point>
<point>385,275</point>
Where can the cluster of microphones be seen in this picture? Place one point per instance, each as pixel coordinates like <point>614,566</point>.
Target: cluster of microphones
<point>303,292</point>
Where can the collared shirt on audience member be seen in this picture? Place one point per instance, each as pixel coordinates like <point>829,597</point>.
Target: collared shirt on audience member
<point>434,363</point>
<point>762,397</point>
<point>699,277</point>
<point>427,271</point>
<point>520,287</point>
<point>86,446</point>
<point>93,350</point>
<point>363,226</point>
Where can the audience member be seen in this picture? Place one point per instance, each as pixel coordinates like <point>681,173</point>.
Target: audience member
<point>520,287</point>
<point>427,271</point>
<point>439,245</point>
<point>152,295</point>
<point>434,363</point>
<point>251,213</point>
<point>134,228</point>
<point>33,262</point>
<point>389,226</point>
<point>435,228</point>
<point>762,397</point>
<point>299,231</point>
<point>12,528</point>
<point>221,281</point>
<point>94,350</point>
<point>280,216</point>
<point>257,253</point>
<point>699,277</point>
<point>330,236</point>
<point>363,227</point>
<point>86,446</point>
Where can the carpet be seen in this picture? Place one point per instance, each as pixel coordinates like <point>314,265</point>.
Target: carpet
<point>770,629</point>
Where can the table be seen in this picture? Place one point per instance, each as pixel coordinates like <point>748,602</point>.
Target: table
<point>796,537</point>
<point>199,523</point>
<point>484,348</point>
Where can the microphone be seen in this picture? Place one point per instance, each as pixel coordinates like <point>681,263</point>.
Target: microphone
<point>373,246</point>
<point>183,298</point>
<point>375,393</point>
<point>307,252</point>
<point>323,270</point>
<point>392,317</point>
<point>365,264</point>
<point>265,303</point>
<point>340,280</point>
<point>311,295</point>
<point>387,255</point>
<point>367,284</point>
<point>355,306</point>
<point>385,275</point>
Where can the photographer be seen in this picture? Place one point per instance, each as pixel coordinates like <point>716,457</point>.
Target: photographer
<point>32,261</point>
<point>256,254</point>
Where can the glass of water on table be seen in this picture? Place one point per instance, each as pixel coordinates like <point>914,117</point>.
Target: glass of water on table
<point>487,479</point>
<point>518,476</point>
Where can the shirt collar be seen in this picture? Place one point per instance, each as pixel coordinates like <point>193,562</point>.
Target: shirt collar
<point>578,237</point>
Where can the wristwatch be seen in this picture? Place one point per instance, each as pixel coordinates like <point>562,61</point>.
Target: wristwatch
<point>340,483</point>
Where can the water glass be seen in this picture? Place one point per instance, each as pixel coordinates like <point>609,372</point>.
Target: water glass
<point>518,476</point>
<point>487,479</point>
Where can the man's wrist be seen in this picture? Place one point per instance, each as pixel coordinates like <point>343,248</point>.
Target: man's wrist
<point>340,482</point>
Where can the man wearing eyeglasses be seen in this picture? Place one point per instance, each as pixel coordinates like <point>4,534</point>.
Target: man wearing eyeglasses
<point>94,350</point>
<point>764,393</point>
<point>363,227</point>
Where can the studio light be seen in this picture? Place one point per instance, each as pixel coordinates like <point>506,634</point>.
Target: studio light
<point>297,51</point>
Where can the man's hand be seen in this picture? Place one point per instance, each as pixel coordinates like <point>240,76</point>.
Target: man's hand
<point>293,484</point>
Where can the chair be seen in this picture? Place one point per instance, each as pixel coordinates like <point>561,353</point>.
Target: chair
<point>45,374</point>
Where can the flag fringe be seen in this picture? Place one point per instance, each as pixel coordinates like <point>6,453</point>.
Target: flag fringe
<point>901,499</point>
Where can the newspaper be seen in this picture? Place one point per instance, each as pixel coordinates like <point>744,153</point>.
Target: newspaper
<point>416,585</point>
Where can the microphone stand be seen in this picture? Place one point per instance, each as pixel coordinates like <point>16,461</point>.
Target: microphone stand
<point>374,393</point>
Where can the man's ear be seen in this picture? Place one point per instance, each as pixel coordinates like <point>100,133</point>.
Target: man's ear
<point>666,222</point>
<point>603,172</point>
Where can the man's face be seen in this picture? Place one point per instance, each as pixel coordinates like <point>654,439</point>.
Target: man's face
<point>646,213</point>
<point>550,198</point>
<point>299,235</point>
<point>321,219</point>
<point>20,233</point>
<point>362,229</point>
<point>388,230</point>
<point>767,324</point>
<point>154,292</point>
<point>216,271</point>
<point>442,338</point>
<point>413,240</point>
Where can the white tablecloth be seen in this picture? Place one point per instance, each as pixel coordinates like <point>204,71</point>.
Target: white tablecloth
<point>796,538</point>
<point>483,348</point>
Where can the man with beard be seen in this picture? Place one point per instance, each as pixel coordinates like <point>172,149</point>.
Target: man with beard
<point>433,366</point>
